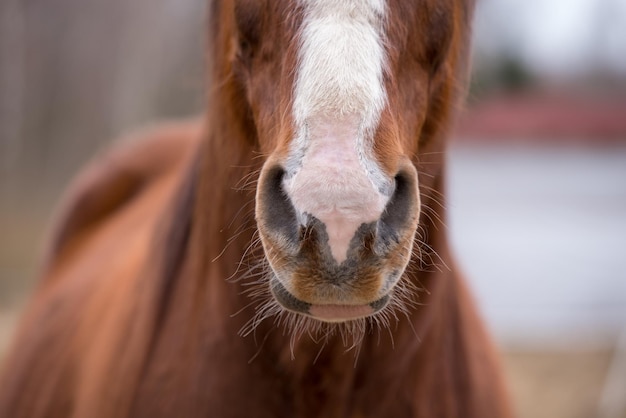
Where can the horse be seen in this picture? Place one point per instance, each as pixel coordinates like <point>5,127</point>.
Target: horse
<point>284,255</point>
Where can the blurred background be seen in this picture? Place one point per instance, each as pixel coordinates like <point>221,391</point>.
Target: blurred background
<point>537,184</point>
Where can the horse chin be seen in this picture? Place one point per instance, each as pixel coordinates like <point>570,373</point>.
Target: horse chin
<point>331,312</point>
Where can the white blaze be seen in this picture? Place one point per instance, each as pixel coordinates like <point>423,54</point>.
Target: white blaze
<point>338,98</point>
<point>341,61</point>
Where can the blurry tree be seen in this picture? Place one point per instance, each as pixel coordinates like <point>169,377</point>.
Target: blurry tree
<point>75,73</point>
<point>506,75</point>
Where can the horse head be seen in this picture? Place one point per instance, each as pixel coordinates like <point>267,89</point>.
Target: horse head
<point>344,100</point>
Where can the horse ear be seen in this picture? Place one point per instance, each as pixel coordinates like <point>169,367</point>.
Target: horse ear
<point>109,183</point>
<point>112,180</point>
<point>101,189</point>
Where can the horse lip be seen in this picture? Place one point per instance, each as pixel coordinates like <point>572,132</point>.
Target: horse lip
<point>325,312</point>
<point>340,313</point>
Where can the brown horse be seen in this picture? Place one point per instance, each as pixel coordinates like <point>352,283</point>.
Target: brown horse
<point>286,256</point>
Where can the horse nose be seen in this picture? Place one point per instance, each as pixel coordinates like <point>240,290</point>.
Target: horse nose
<point>336,233</point>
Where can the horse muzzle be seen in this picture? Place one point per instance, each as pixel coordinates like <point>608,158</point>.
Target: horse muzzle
<point>307,276</point>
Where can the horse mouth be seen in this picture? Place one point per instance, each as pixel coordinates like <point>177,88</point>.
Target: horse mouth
<point>330,312</point>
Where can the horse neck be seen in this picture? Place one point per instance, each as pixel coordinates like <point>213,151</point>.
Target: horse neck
<point>202,311</point>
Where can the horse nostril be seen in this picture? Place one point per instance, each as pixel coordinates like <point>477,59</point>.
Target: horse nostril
<point>274,208</point>
<point>400,213</point>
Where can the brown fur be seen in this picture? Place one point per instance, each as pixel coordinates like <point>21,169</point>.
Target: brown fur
<point>135,316</point>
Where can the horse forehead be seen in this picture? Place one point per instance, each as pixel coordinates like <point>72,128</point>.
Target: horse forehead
<point>341,59</point>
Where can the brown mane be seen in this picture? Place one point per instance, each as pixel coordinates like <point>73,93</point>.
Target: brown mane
<point>146,288</point>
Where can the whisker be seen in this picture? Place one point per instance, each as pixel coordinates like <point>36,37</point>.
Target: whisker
<point>260,348</point>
